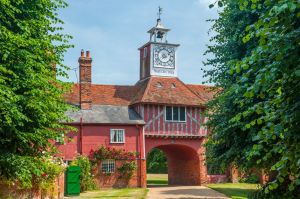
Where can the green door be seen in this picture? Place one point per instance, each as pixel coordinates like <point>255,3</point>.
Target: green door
<point>72,181</point>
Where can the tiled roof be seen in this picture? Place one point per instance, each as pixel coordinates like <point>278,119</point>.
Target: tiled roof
<point>205,92</point>
<point>105,94</point>
<point>159,90</point>
<point>167,90</point>
<point>107,114</point>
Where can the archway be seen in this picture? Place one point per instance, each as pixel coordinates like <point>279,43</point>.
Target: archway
<point>185,165</point>
<point>157,168</point>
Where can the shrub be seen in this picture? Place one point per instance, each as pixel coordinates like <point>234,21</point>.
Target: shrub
<point>86,178</point>
<point>30,172</point>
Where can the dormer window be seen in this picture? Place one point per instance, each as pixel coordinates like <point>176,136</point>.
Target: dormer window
<point>173,85</point>
<point>158,85</point>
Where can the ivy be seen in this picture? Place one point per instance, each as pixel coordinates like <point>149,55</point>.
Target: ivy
<point>255,116</point>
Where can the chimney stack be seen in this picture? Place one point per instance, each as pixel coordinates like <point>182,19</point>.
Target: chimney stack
<point>85,80</point>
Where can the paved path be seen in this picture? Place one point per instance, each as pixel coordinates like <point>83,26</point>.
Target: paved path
<point>183,192</point>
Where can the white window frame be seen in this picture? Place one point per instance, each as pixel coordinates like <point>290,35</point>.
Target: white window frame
<point>114,131</point>
<point>178,114</point>
<point>111,166</point>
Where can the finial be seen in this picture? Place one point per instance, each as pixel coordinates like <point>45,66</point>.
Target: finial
<point>159,12</point>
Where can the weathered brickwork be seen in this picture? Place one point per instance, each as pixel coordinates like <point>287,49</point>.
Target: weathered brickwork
<point>116,179</point>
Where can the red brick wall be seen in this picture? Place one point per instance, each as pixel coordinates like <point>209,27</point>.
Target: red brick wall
<point>11,191</point>
<point>93,136</point>
<point>186,159</point>
<point>116,180</point>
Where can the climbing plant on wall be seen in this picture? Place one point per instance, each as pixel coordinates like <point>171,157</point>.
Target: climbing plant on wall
<point>128,159</point>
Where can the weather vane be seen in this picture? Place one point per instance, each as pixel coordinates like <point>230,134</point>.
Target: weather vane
<point>159,12</point>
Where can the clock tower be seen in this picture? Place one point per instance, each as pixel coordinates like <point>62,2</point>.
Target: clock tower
<point>158,57</point>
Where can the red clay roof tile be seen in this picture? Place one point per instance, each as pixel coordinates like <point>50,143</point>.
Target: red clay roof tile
<point>159,90</point>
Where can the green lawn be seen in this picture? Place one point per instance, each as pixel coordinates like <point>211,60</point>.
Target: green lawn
<point>234,190</point>
<point>136,193</point>
<point>157,179</point>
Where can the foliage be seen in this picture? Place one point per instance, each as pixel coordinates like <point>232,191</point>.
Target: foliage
<point>255,116</point>
<point>127,168</point>
<point>32,103</point>
<point>214,166</point>
<point>157,162</point>
<point>104,153</point>
<point>37,172</point>
<point>128,159</point>
<point>251,178</point>
<point>86,178</point>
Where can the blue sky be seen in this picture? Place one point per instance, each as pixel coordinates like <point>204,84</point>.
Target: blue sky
<point>113,30</point>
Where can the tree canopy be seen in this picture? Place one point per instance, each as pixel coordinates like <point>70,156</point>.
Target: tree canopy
<point>256,113</point>
<point>32,104</point>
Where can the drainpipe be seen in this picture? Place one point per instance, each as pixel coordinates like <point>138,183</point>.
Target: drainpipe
<point>140,152</point>
<point>80,137</point>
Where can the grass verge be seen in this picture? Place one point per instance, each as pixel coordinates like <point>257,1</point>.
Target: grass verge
<point>234,190</point>
<point>157,179</point>
<point>135,193</point>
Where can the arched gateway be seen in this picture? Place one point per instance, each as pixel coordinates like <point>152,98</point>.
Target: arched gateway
<point>158,111</point>
<point>186,163</point>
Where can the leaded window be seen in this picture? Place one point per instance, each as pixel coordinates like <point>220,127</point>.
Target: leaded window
<point>108,166</point>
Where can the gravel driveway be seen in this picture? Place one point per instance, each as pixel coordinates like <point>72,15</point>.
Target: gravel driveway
<point>183,192</point>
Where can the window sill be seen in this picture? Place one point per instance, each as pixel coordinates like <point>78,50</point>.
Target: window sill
<point>175,121</point>
<point>117,143</point>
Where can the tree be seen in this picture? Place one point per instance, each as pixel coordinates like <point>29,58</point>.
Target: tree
<point>157,162</point>
<point>32,104</point>
<point>255,116</point>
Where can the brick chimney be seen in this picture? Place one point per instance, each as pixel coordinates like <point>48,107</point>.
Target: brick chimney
<point>85,80</point>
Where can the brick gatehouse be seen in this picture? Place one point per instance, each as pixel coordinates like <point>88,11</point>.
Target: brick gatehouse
<point>158,111</point>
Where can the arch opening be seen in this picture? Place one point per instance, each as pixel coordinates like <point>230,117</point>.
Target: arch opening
<point>182,162</point>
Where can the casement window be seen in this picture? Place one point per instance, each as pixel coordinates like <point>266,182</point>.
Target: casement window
<point>108,166</point>
<point>175,114</point>
<point>117,136</point>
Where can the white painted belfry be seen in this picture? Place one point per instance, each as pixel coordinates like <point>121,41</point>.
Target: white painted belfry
<point>158,57</point>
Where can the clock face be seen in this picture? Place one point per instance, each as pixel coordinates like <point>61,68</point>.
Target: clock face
<point>164,57</point>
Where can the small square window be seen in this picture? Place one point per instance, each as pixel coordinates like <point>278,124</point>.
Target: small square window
<point>108,166</point>
<point>117,136</point>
